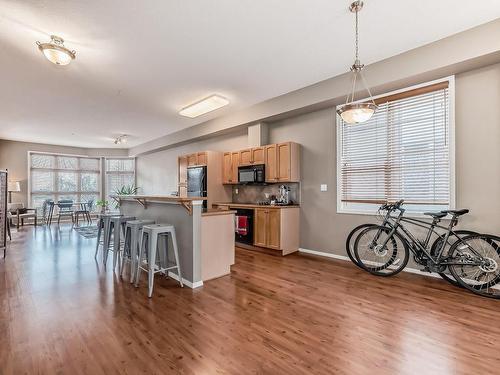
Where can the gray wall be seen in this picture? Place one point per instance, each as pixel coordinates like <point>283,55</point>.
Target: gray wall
<point>14,157</point>
<point>322,229</point>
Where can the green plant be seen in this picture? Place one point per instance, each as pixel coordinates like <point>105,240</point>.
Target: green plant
<point>102,203</point>
<point>125,190</point>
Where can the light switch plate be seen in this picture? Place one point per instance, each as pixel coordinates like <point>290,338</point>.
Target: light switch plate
<point>324,187</point>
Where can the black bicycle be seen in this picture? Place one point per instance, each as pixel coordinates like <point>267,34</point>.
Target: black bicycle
<point>472,259</point>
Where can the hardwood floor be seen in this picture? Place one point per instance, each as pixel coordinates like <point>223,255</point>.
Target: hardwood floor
<point>61,312</point>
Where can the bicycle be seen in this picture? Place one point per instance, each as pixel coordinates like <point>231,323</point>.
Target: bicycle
<point>434,247</point>
<point>473,260</point>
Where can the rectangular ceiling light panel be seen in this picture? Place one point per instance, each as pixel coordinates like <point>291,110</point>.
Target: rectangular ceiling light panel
<point>206,105</point>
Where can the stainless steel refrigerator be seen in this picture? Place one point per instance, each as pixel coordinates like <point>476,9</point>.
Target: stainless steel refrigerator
<point>197,183</point>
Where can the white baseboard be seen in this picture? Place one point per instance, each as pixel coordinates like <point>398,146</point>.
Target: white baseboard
<point>346,258</point>
<point>187,283</point>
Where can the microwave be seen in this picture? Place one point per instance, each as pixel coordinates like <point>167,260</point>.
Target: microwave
<point>252,174</point>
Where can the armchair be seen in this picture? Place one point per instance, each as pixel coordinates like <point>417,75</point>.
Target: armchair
<point>21,213</point>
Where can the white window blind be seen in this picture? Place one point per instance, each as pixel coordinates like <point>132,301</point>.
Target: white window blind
<point>402,152</point>
<point>119,172</point>
<point>59,177</point>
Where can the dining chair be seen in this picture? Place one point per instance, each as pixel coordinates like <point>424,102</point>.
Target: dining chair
<point>65,209</point>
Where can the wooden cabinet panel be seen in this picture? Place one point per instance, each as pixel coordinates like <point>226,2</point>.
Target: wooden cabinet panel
<point>202,158</point>
<point>226,168</point>
<point>283,151</point>
<point>260,227</point>
<point>192,159</point>
<point>258,155</point>
<point>182,164</point>
<point>273,228</point>
<point>246,157</point>
<point>235,163</point>
<point>270,161</point>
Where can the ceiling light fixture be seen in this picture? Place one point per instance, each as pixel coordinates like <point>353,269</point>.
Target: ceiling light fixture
<point>354,113</point>
<point>121,139</point>
<point>55,51</point>
<point>203,106</point>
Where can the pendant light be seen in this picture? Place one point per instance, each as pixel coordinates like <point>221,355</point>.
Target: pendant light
<point>56,52</point>
<point>355,113</point>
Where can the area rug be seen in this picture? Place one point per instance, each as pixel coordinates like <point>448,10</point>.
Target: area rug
<point>87,232</point>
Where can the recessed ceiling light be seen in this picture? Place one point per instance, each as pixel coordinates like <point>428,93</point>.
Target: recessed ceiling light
<point>55,51</point>
<point>206,105</point>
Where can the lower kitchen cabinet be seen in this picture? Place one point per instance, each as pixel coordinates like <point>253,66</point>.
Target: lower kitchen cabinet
<point>277,228</point>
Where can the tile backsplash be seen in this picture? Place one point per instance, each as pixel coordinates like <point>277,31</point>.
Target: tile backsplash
<point>256,193</point>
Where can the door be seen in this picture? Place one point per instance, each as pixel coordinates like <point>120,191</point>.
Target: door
<point>258,155</point>
<point>235,163</point>
<point>192,160</point>
<point>270,162</point>
<point>246,157</point>
<point>226,168</point>
<point>260,227</point>
<point>273,228</point>
<point>283,151</point>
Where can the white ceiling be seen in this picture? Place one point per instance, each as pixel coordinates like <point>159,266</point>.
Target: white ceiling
<point>139,62</point>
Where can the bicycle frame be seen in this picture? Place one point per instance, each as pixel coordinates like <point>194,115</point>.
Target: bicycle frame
<point>413,243</point>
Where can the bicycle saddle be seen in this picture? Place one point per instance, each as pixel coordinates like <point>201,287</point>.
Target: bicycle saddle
<point>436,215</point>
<point>456,212</point>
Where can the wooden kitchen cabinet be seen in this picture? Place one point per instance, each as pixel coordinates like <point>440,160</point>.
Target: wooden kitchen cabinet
<point>271,161</point>
<point>182,163</point>
<point>267,227</point>
<point>258,156</point>
<point>288,162</point>
<point>277,228</point>
<point>230,166</point>
<point>192,160</point>
<point>202,158</point>
<point>246,157</point>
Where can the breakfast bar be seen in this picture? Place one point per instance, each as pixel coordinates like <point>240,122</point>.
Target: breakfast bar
<point>205,238</point>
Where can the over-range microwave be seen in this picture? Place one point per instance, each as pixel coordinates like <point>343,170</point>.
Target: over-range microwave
<point>252,174</point>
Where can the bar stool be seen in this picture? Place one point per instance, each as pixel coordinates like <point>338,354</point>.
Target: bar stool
<point>133,230</point>
<point>157,234</point>
<point>103,228</point>
<point>116,225</point>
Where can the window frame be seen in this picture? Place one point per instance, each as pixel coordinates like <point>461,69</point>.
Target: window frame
<point>106,172</point>
<point>371,208</point>
<point>55,193</point>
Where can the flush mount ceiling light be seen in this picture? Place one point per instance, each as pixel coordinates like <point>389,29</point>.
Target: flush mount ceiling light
<point>121,139</point>
<point>355,113</point>
<point>206,105</point>
<point>55,51</point>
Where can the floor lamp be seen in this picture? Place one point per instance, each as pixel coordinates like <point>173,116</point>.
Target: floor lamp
<point>13,187</point>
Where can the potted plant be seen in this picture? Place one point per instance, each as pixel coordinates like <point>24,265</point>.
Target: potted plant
<point>125,190</point>
<point>104,204</point>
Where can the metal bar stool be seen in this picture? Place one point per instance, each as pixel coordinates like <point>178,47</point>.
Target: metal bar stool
<point>117,225</point>
<point>103,228</point>
<point>157,235</point>
<point>133,230</point>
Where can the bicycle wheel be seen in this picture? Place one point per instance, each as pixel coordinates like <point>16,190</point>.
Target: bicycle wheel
<point>477,267</point>
<point>349,243</point>
<point>436,246</point>
<point>377,258</point>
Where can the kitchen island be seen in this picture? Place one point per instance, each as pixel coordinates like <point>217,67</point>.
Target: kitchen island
<point>205,239</point>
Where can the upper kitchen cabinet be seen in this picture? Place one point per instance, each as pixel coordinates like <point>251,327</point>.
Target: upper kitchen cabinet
<point>283,162</point>
<point>197,159</point>
<point>230,163</point>
<point>252,156</point>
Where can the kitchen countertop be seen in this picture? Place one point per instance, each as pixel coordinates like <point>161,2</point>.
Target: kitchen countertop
<point>213,212</point>
<point>250,205</point>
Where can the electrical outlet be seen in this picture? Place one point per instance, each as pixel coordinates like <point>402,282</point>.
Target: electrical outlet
<point>236,191</point>
<point>324,187</point>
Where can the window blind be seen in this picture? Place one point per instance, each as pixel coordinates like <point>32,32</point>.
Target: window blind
<point>402,152</point>
<point>119,172</point>
<point>59,177</point>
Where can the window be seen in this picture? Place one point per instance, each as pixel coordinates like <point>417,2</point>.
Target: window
<point>119,172</point>
<point>59,177</point>
<point>405,151</point>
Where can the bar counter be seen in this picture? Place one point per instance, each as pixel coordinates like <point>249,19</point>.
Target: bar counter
<point>205,239</point>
